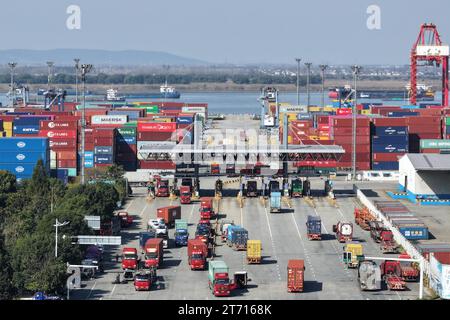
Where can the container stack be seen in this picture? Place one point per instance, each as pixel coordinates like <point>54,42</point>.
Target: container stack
<point>423,127</point>
<point>341,128</point>
<point>20,155</point>
<point>104,143</point>
<point>126,148</point>
<point>185,128</point>
<point>389,143</point>
<point>152,136</point>
<point>435,146</point>
<point>28,125</point>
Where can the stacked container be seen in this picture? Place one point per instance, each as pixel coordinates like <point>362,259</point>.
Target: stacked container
<point>26,125</point>
<point>341,128</point>
<point>435,146</point>
<point>423,127</point>
<point>104,143</point>
<point>389,143</point>
<point>126,149</point>
<point>20,155</point>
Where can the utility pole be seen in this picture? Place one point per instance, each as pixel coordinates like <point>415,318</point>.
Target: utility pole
<point>356,70</point>
<point>12,66</point>
<point>56,225</point>
<point>85,69</point>
<point>77,67</point>
<point>323,67</point>
<point>298,80</point>
<point>50,64</point>
<point>308,66</point>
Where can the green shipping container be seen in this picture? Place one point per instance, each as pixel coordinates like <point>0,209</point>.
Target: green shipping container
<point>129,131</point>
<point>72,172</point>
<point>447,121</point>
<point>434,144</point>
<point>131,124</point>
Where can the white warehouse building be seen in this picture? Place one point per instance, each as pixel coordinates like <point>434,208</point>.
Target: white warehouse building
<point>425,175</point>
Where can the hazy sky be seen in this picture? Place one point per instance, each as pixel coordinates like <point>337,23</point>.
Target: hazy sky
<point>233,31</point>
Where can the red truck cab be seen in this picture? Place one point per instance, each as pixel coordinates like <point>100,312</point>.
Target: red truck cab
<point>391,272</point>
<point>408,272</point>
<point>153,252</point>
<point>387,242</point>
<point>129,259</point>
<point>206,208</point>
<point>142,282</point>
<point>197,253</point>
<point>185,195</point>
<point>222,285</point>
<point>162,188</point>
<point>125,219</point>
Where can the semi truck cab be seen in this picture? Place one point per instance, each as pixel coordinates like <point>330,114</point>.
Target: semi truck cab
<point>129,259</point>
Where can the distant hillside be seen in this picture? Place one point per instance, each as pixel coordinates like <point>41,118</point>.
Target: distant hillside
<point>64,57</point>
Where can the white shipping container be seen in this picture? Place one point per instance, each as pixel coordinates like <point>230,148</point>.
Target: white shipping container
<point>193,109</point>
<point>440,277</point>
<point>109,119</point>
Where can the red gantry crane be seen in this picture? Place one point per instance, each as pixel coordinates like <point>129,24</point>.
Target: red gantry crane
<point>429,48</point>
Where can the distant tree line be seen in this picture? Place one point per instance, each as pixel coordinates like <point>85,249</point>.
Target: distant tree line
<point>27,232</point>
<point>155,79</point>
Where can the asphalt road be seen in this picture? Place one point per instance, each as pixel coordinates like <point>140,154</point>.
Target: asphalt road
<point>283,237</point>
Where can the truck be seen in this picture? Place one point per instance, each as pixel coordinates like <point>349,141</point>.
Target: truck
<point>363,217</point>
<point>224,229</point>
<point>344,231</point>
<point>237,237</point>
<point>197,254</point>
<point>314,228</point>
<point>253,251</point>
<point>387,243</point>
<point>154,253</point>
<point>252,189</point>
<point>110,227</point>
<point>185,195</point>
<point>353,252</point>
<point>375,230</point>
<point>162,188</point>
<point>206,208</point>
<point>296,188</point>
<point>144,236</point>
<point>203,233</point>
<point>295,275</point>
<point>275,201</point>
<point>187,182</point>
<point>129,258</point>
<point>408,271</point>
<point>169,215</point>
<point>181,232</point>
<point>144,280</point>
<point>391,274</point>
<point>369,276</point>
<point>218,279</point>
<point>125,219</point>
<point>215,168</point>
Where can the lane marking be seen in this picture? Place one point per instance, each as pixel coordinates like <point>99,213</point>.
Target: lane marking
<point>112,291</point>
<point>129,205</point>
<point>273,243</point>
<point>90,292</point>
<point>145,207</point>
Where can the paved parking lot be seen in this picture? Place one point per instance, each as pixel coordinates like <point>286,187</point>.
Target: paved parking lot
<point>283,237</point>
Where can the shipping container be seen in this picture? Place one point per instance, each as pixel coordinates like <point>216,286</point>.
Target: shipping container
<point>390,131</point>
<point>25,144</point>
<point>59,134</point>
<point>386,165</point>
<point>295,275</point>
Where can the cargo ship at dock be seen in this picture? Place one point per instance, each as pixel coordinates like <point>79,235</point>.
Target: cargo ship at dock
<point>424,93</point>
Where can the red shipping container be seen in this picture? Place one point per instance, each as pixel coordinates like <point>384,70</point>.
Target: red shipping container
<point>66,163</point>
<point>390,122</point>
<point>104,142</point>
<point>390,157</point>
<point>156,136</point>
<point>63,143</point>
<point>58,134</point>
<point>359,165</point>
<point>360,148</point>
<point>58,125</point>
<point>88,146</point>
<point>66,155</point>
<point>360,157</point>
<point>317,164</point>
<point>347,122</point>
<point>435,151</point>
<point>338,131</point>
<point>323,120</point>
<point>104,133</point>
<point>422,121</point>
<point>157,127</point>
<point>164,165</point>
<point>436,129</point>
<point>343,111</point>
<point>349,139</point>
<point>301,124</point>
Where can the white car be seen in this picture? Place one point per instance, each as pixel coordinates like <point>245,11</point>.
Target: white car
<point>158,225</point>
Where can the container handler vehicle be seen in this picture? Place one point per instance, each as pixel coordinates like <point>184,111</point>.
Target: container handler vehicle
<point>344,231</point>
<point>391,273</point>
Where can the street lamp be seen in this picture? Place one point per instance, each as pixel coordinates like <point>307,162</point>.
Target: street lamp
<point>12,66</point>
<point>77,67</point>
<point>323,67</point>
<point>308,65</point>
<point>298,80</point>
<point>50,64</point>
<point>85,69</point>
<point>57,225</point>
<point>356,70</point>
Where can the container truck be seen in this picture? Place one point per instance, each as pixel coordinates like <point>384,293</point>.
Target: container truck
<point>169,215</point>
<point>197,254</point>
<point>295,275</point>
<point>314,228</point>
<point>296,188</point>
<point>344,231</point>
<point>369,276</point>
<point>363,217</point>
<point>181,232</point>
<point>125,219</point>
<point>391,273</point>
<point>143,280</point>
<point>206,208</point>
<point>143,237</point>
<point>375,230</point>
<point>215,168</point>
<point>154,253</point>
<point>218,278</point>
<point>387,242</point>
<point>224,229</point>
<point>353,252</point>
<point>185,195</point>
<point>252,189</point>
<point>275,202</point>
<point>237,238</point>
<point>254,251</point>
<point>162,188</point>
<point>129,259</point>
<point>408,271</point>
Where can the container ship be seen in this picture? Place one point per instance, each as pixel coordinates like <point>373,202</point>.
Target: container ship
<point>424,93</point>
<point>165,92</point>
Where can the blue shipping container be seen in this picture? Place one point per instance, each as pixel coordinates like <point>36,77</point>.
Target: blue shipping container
<point>23,157</point>
<point>126,140</point>
<point>390,131</point>
<point>414,232</point>
<point>89,155</point>
<point>389,148</point>
<point>24,144</point>
<point>63,175</point>
<point>103,150</point>
<point>22,169</point>
<point>88,163</point>
<point>26,129</point>
<point>132,115</point>
<point>385,165</point>
<point>103,159</point>
<point>401,114</point>
<point>397,139</point>
<point>184,120</point>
